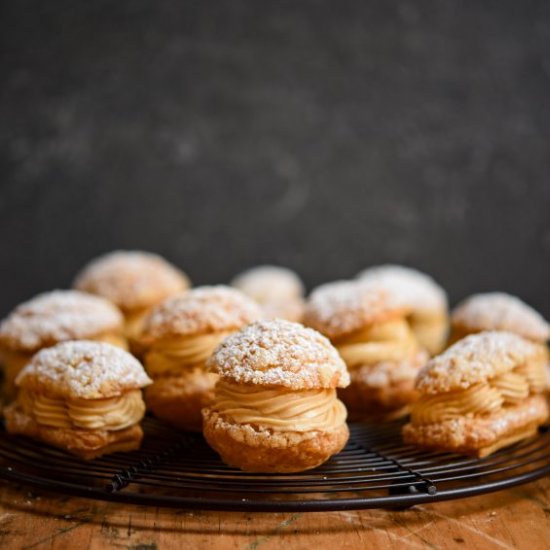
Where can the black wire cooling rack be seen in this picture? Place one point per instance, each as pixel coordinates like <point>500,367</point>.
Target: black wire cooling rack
<point>375,470</point>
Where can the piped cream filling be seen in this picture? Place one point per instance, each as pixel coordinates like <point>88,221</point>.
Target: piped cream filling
<point>390,341</point>
<point>171,356</point>
<point>112,414</point>
<point>508,389</point>
<point>513,387</point>
<point>536,376</point>
<point>476,400</point>
<point>280,409</point>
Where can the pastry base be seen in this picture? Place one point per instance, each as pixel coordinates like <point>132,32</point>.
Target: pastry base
<point>178,400</point>
<point>458,332</point>
<point>364,403</point>
<point>86,444</point>
<point>383,391</point>
<point>257,449</point>
<point>481,436</point>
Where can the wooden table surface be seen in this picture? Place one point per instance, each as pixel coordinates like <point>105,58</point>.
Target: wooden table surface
<point>515,518</point>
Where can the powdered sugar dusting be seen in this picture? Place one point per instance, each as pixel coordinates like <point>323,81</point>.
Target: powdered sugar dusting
<point>203,309</point>
<point>475,359</point>
<point>411,287</point>
<point>57,316</point>
<point>278,290</point>
<point>342,307</point>
<point>268,283</point>
<point>83,369</point>
<point>131,279</point>
<point>280,353</point>
<point>500,311</point>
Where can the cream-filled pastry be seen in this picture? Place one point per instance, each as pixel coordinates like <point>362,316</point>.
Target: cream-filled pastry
<point>51,318</point>
<point>501,311</point>
<point>369,328</point>
<point>134,281</point>
<point>498,311</point>
<point>178,337</point>
<point>275,407</point>
<point>481,394</point>
<point>81,396</point>
<point>418,292</point>
<point>278,290</point>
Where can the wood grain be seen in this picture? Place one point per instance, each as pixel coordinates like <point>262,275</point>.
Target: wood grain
<point>516,518</point>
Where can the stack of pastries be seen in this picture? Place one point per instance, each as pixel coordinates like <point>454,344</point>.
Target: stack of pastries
<point>275,407</point>
<point>54,317</point>
<point>369,328</point>
<point>177,338</point>
<point>134,281</point>
<point>269,376</point>
<point>424,298</point>
<point>481,394</point>
<point>81,396</point>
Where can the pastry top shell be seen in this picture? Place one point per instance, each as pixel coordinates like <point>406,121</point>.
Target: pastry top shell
<point>280,353</point>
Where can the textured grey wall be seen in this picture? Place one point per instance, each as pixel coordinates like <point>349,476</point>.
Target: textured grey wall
<point>325,136</point>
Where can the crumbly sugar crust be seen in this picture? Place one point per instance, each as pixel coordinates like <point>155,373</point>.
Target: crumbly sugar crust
<point>475,359</point>
<point>340,308</point>
<point>201,310</point>
<point>56,316</point>
<point>413,288</point>
<point>383,390</point>
<point>87,444</point>
<point>257,449</point>
<point>480,435</point>
<point>131,279</point>
<point>83,369</point>
<point>279,353</point>
<point>180,399</point>
<point>500,311</point>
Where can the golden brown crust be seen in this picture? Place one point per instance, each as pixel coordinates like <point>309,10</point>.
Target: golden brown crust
<point>254,449</point>
<point>368,403</point>
<point>480,436</point>
<point>499,311</point>
<point>180,399</point>
<point>132,280</point>
<point>413,288</point>
<point>457,333</point>
<point>200,311</point>
<point>429,317</point>
<point>82,369</point>
<point>385,390</point>
<point>86,444</point>
<point>341,308</point>
<point>13,362</point>
<point>279,353</point>
<point>58,316</point>
<point>475,359</point>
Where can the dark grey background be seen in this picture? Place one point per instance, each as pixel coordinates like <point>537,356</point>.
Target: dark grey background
<point>325,136</point>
